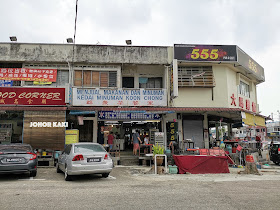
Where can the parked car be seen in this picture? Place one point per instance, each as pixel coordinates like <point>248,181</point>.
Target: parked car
<point>18,158</point>
<point>274,152</point>
<point>84,158</point>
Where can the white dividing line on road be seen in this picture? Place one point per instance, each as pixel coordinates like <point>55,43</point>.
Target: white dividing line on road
<point>32,179</point>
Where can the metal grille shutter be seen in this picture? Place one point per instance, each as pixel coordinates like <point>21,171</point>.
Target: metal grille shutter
<point>196,76</point>
<point>193,129</point>
<point>112,79</point>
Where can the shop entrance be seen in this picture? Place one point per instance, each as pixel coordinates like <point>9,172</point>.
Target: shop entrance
<point>84,125</point>
<point>123,131</point>
<point>11,127</point>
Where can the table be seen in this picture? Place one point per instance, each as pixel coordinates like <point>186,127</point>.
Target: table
<point>201,164</point>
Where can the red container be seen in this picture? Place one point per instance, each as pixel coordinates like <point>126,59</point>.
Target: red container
<point>233,149</point>
<point>249,158</point>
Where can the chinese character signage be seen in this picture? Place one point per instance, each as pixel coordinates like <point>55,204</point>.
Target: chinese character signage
<point>6,83</point>
<point>112,115</point>
<point>25,74</point>
<point>219,53</point>
<point>244,103</point>
<point>119,97</point>
<point>172,131</point>
<point>32,96</point>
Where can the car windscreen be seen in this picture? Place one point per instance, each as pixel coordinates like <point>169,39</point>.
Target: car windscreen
<point>15,148</point>
<point>88,148</point>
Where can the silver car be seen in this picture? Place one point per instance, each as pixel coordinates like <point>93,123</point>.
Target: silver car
<point>18,158</point>
<point>84,158</point>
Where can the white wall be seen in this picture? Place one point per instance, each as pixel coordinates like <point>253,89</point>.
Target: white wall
<point>226,85</point>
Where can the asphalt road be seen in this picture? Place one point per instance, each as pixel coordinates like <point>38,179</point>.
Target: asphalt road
<point>126,188</point>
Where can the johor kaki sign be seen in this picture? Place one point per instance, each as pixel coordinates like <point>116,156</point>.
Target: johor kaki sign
<point>32,96</point>
<point>25,74</point>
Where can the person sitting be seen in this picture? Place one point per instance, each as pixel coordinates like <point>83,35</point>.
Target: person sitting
<point>146,142</point>
<point>111,141</point>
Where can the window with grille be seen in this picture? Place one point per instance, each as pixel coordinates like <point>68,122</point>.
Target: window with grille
<point>152,82</point>
<point>244,89</point>
<point>88,78</point>
<point>195,76</point>
<point>128,82</point>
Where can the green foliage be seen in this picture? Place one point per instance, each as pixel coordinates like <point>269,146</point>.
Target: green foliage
<point>158,150</point>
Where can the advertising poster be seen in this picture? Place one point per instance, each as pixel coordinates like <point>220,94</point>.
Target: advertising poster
<point>71,136</point>
<point>25,74</point>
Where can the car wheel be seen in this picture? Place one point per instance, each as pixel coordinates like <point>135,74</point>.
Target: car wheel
<point>105,175</point>
<point>33,173</point>
<point>66,176</point>
<point>58,169</point>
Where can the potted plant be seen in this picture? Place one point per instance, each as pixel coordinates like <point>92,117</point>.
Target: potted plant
<point>158,150</point>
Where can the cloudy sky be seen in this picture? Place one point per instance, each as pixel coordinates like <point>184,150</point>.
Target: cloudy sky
<point>253,25</point>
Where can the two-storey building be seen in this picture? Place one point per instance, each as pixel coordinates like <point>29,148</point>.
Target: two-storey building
<point>180,91</point>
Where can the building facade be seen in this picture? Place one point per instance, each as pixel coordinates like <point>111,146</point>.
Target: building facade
<point>172,93</point>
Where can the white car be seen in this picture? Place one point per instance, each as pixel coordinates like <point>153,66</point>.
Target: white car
<point>84,158</point>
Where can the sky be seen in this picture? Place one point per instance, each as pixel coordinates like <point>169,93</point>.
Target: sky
<point>253,25</point>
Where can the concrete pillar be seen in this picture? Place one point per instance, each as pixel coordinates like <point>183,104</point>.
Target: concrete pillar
<point>95,129</point>
<point>229,128</point>
<point>206,131</point>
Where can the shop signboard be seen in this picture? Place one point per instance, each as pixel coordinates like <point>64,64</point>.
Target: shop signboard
<point>112,115</point>
<point>172,131</point>
<point>119,97</point>
<point>6,83</point>
<point>249,64</point>
<point>26,74</point>
<point>32,96</point>
<point>205,53</point>
<point>71,136</point>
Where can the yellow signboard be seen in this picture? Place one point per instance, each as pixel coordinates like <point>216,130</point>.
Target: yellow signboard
<point>71,136</point>
<point>253,120</point>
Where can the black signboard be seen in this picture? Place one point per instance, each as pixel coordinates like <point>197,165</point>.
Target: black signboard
<point>207,53</point>
<point>172,131</point>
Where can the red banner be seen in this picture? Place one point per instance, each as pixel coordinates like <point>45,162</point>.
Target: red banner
<point>25,74</point>
<point>32,96</point>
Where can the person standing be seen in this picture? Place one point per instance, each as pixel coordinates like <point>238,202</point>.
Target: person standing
<point>111,141</point>
<point>136,139</point>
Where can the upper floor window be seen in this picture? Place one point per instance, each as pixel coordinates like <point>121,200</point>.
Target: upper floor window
<point>195,76</point>
<point>90,78</point>
<point>244,89</point>
<point>128,82</point>
<point>152,82</point>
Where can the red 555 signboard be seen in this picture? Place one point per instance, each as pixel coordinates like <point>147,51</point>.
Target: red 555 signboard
<point>220,53</point>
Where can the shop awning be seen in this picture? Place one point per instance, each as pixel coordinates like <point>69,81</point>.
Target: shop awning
<point>252,120</point>
<point>78,112</point>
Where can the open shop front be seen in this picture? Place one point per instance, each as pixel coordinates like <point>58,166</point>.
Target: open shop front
<point>122,125</point>
<point>239,137</point>
<point>11,126</point>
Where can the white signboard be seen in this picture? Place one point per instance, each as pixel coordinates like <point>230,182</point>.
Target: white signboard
<point>119,97</point>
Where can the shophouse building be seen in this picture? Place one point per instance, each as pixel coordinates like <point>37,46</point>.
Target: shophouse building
<point>169,93</point>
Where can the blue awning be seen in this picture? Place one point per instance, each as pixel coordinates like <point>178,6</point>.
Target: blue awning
<point>77,112</point>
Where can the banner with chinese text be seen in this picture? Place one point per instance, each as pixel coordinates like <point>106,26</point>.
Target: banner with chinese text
<point>32,96</point>
<point>25,74</point>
